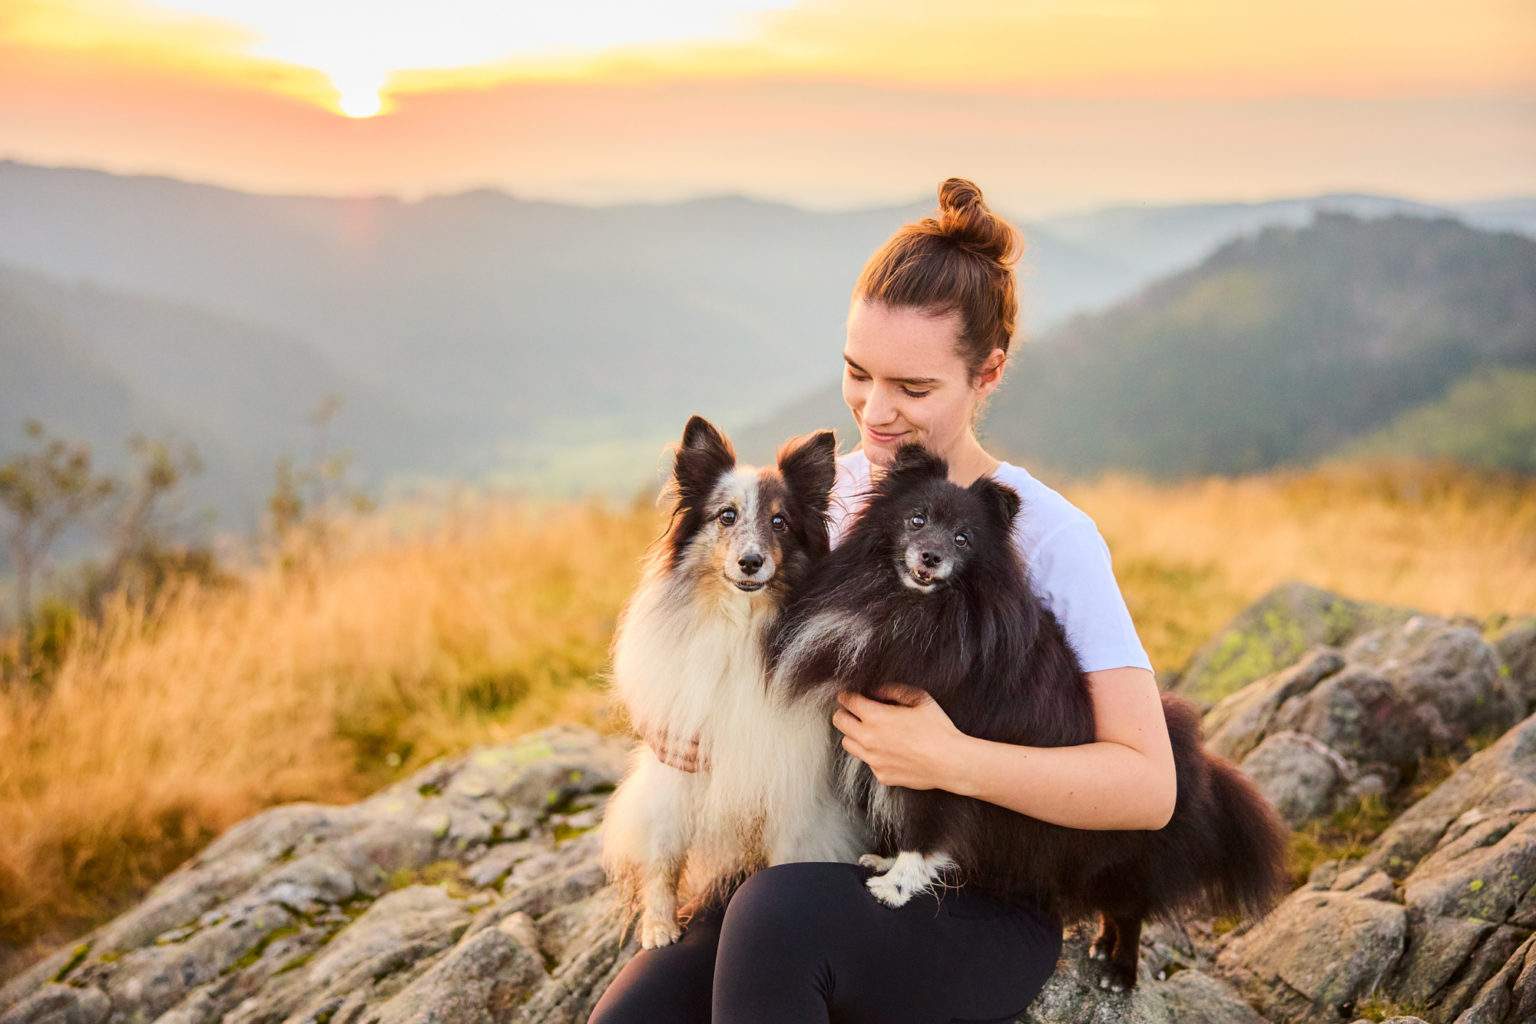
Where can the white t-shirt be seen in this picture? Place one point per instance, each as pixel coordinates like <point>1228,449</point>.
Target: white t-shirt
<point>1069,563</point>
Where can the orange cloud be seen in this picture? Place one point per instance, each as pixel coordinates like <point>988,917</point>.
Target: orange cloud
<point>1058,47</point>
<point>1055,102</point>
<point>71,44</point>
<point>1091,47</point>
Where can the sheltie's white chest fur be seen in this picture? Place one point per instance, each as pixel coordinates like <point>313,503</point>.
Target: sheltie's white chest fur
<point>691,662</point>
<point>688,663</point>
<point>692,666</point>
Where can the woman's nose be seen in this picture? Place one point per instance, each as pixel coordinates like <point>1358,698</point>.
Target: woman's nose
<point>879,407</point>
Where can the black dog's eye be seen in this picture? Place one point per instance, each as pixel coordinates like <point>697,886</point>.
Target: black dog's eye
<point>727,516</point>
<point>780,524</point>
<point>961,540</point>
<point>916,522</point>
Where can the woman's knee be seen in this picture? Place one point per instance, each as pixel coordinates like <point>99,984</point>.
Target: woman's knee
<point>670,984</point>
<point>787,900</point>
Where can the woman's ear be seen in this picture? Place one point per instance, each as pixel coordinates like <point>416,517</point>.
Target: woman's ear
<point>991,373</point>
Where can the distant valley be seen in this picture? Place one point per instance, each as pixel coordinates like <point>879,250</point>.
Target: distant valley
<point>539,346</point>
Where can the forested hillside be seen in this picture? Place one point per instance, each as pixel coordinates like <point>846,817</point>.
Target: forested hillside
<point>1283,347</point>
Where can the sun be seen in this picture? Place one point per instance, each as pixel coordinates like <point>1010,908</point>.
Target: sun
<point>358,92</point>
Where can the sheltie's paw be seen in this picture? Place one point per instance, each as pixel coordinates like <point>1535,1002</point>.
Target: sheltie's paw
<point>879,863</point>
<point>1100,949</point>
<point>888,889</point>
<point>657,930</point>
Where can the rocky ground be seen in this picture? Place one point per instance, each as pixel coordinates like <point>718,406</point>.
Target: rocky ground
<point>471,892</point>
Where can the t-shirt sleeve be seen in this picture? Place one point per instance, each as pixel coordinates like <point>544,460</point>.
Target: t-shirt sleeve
<point>1075,580</point>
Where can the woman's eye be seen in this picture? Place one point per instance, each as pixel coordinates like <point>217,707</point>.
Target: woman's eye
<point>780,524</point>
<point>727,516</point>
<point>960,540</point>
<point>913,394</point>
<point>916,522</point>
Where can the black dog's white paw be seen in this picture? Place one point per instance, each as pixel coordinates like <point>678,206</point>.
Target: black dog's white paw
<point>889,890</point>
<point>906,875</point>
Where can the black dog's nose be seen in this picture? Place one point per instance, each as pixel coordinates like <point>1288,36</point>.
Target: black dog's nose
<point>750,563</point>
<point>932,560</point>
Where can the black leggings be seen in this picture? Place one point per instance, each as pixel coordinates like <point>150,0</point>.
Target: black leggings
<point>809,943</point>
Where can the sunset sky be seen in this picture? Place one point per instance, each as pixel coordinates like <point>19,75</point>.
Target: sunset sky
<point>1050,105</point>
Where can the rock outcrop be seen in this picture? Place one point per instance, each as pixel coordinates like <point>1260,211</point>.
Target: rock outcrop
<point>1273,633</point>
<point>472,892</point>
<point>469,892</point>
<point>1358,721</point>
<point>1438,916</point>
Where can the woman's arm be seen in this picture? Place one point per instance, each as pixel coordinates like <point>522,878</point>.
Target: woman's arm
<point>1122,780</point>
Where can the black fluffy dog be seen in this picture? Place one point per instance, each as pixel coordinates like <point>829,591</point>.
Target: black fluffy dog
<point>927,589</point>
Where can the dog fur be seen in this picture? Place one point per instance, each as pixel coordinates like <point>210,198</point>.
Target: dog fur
<point>927,589</point>
<point>689,661</point>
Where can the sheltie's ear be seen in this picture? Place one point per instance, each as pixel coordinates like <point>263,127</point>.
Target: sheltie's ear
<point>917,461</point>
<point>1001,501</point>
<point>703,457</point>
<point>809,465</point>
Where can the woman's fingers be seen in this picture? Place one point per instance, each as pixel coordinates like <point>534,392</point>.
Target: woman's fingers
<point>683,756</point>
<point>857,705</point>
<point>845,721</point>
<point>901,693</point>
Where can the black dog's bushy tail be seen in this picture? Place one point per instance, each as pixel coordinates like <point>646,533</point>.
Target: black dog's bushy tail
<point>1254,841</point>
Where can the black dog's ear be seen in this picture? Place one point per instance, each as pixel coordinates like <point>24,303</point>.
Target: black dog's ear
<point>1000,500</point>
<point>916,460</point>
<point>702,458</point>
<point>809,465</point>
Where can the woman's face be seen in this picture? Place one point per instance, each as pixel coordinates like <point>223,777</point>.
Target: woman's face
<point>904,382</point>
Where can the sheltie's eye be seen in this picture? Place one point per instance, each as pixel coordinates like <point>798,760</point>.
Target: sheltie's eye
<point>961,540</point>
<point>727,516</point>
<point>780,524</point>
<point>916,522</point>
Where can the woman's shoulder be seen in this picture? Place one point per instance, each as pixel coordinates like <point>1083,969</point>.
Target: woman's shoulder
<point>1072,571</point>
<point>1043,513</point>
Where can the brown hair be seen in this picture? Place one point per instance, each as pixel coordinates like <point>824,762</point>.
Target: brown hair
<point>961,262</point>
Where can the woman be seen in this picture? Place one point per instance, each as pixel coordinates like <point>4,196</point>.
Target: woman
<point>928,335</point>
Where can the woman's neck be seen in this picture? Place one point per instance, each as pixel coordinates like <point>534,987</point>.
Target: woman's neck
<point>969,461</point>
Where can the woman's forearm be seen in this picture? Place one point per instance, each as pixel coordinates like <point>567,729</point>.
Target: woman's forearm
<point>1102,785</point>
<point>1124,780</point>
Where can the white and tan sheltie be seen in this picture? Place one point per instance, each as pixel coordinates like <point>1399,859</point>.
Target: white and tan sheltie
<point>688,661</point>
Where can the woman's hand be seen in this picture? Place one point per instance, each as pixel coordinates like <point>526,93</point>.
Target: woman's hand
<point>680,754</point>
<point>905,737</point>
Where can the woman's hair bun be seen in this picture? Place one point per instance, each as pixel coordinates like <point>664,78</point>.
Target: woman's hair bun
<point>964,217</point>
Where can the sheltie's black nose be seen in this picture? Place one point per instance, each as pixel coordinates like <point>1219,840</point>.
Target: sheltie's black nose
<point>932,560</point>
<point>750,563</point>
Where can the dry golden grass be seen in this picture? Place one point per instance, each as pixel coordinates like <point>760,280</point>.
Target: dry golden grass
<point>165,726</point>
<point>1437,537</point>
